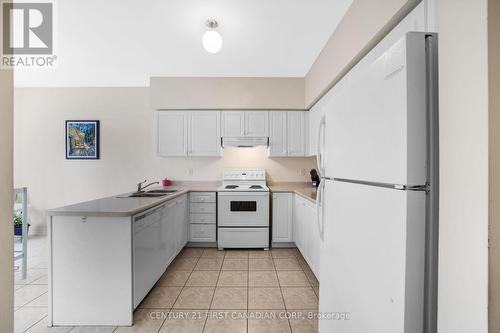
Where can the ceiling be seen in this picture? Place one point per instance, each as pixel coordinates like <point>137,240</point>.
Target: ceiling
<point>124,42</point>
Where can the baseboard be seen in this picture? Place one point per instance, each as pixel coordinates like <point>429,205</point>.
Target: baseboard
<point>201,244</point>
<point>283,244</point>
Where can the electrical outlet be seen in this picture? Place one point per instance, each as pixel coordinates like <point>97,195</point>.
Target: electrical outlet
<point>302,172</point>
<point>190,171</point>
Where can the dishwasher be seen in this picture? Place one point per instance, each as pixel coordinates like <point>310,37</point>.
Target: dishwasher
<point>148,265</point>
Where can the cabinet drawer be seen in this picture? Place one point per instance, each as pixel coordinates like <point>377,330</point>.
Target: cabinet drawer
<point>199,207</point>
<point>202,218</point>
<point>203,197</point>
<point>202,233</point>
<point>243,237</point>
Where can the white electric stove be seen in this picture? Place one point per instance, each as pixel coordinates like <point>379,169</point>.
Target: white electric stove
<point>243,210</point>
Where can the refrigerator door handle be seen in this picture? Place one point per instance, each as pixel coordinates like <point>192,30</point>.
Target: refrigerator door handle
<point>419,188</point>
<point>399,187</point>
<point>319,209</point>
<point>319,153</point>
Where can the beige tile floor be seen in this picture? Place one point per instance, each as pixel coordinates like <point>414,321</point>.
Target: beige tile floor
<point>204,290</point>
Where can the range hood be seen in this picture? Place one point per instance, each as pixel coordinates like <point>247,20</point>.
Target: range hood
<point>245,142</point>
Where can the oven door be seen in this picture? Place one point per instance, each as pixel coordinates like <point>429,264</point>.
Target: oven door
<point>243,209</point>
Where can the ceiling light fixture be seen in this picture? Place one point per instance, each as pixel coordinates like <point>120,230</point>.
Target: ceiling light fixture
<point>212,40</point>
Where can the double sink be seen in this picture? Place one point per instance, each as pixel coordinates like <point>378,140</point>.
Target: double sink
<point>152,193</point>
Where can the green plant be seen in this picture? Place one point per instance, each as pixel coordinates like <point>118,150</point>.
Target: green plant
<point>18,221</point>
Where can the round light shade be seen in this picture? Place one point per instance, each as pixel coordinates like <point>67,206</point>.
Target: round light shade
<point>212,41</point>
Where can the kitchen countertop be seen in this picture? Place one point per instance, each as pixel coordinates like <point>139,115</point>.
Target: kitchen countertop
<point>304,189</point>
<point>122,206</point>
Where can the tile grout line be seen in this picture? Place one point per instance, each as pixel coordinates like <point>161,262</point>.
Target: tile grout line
<point>213,295</point>
<point>283,297</point>
<point>36,323</point>
<point>34,299</point>
<point>182,288</point>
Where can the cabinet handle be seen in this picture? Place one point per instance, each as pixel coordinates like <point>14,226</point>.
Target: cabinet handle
<point>202,199</point>
<point>202,219</point>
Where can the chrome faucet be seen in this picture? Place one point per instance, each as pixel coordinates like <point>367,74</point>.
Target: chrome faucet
<point>141,188</point>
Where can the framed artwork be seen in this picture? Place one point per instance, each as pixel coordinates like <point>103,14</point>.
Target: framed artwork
<point>82,139</point>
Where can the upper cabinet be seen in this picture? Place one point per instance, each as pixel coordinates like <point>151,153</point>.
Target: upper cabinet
<point>188,133</point>
<point>288,133</point>
<point>245,123</point>
<point>198,133</point>
<point>278,134</point>
<point>297,122</point>
<point>204,133</point>
<point>172,127</point>
<point>256,123</point>
<point>233,123</point>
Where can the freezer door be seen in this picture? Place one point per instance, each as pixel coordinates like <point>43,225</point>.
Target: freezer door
<point>372,256</point>
<point>376,125</point>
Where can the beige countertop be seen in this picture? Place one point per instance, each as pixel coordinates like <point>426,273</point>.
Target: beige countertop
<point>304,189</point>
<point>123,206</point>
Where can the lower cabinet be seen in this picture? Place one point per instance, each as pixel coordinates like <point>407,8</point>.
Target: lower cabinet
<point>294,221</point>
<point>306,233</point>
<point>202,232</point>
<point>174,227</point>
<point>159,235</point>
<point>282,217</point>
<point>149,251</point>
<point>202,217</point>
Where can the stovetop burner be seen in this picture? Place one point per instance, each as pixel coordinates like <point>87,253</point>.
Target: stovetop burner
<point>244,181</point>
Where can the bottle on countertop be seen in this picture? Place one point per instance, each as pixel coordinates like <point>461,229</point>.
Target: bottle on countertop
<point>314,178</point>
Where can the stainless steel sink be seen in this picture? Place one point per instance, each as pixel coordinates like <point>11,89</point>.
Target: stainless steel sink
<point>152,193</point>
<point>162,191</point>
<point>146,195</point>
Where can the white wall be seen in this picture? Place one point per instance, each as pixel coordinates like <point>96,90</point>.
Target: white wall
<point>127,148</point>
<point>227,93</point>
<point>463,249</point>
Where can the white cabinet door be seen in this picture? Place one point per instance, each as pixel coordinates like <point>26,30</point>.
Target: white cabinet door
<point>204,133</point>
<point>282,217</point>
<point>278,133</point>
<point>168,232</point>
<point>256,123</point>
<point>313,240</point>
<point>296,133</point>
<point>181,218</point>
<point>305,232</point>
<point>148,259</point>
<point>171,133</point>
<point>233,123</point>
<point>298,213</point>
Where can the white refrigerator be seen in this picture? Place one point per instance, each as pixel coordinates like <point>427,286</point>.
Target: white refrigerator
<point>377,201</point>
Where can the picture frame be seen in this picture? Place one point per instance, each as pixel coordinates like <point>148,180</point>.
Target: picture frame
<point>82,139</point>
